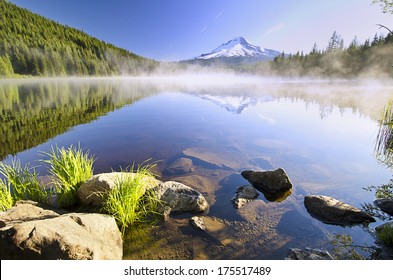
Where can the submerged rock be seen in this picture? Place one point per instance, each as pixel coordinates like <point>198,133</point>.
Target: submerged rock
<point>179,198</point>
<point>222,157</point>
<point>31,232</point>
<point>92,192</point>
<point>385,204</point>
<point>278,196</point>
<point>308,254</point>
<point>243,195</point>
<point>198,223</point>
<point>275,185</point>
<point>270,181</point>
<point>333,211</point>
<point>180,166</point>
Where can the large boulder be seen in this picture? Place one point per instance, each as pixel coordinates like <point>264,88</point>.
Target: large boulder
<point>178,198</point>
<point>31,232</point>
<point>25,210</point>
<point>243,195</point>
<point>385,204</point>
<point>275,185</point>
<point>92,192</point>
<point>308,254</point>
<point>332,211</point>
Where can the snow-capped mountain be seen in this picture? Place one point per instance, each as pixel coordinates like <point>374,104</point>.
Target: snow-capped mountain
<point>239,49</point>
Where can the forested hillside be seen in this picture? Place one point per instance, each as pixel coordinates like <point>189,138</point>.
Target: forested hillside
<point>33,45</point>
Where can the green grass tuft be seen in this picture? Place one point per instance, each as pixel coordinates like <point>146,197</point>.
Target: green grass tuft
<point>131,200</point>
<point>69,168</point>
<point>6,200</point>
<point>385,234</point>
<point>21,182</point>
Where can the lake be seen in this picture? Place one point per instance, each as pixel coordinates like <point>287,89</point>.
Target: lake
<point>321,132</point>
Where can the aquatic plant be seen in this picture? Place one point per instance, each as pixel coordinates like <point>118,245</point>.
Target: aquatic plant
<point>21,182</point>
<point>384,142</point>
<point>132,199</point>
<point>344,249</point>
<point>69,168</point>
<point>385,234</point>
<point>382,191</point>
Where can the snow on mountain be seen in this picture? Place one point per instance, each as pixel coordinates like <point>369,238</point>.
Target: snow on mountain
<point>240,48</point>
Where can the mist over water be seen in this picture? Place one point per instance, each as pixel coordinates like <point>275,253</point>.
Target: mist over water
<point>321,131</point>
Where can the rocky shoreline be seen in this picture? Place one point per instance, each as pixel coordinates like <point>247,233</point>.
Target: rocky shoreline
<point>32,231</point>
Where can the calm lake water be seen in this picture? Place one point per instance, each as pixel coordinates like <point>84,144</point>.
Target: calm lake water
<point>321,132</point>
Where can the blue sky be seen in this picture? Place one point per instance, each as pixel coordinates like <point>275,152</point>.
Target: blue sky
<point>180,29</point>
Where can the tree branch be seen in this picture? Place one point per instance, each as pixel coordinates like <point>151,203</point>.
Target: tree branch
<point>383,26</point>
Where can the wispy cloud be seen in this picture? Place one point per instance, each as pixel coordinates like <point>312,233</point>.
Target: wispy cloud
<point>203,29</point>
<point>274,29</point>
<point>219,14</point>
<point>216,18</point>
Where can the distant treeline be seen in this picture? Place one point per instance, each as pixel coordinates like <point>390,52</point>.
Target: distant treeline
<point>373,58</point>
<point>33,45</point>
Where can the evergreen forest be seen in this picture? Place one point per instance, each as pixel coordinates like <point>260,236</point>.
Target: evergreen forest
<point>31,45</point>
<point>371,59</point>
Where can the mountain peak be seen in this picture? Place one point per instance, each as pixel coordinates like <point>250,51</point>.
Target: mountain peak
<point>239,39</point>
<point>239,47</point>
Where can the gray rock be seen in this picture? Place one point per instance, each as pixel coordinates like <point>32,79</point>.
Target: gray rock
<point>333,211</point>
<point>180,166</point>
<point>179,198</point>
<point>308,254</point>
<point>276,181</point>
<point>243,195</point>
<point>25,210</point>
<point>32,232</point>
<point>198,223</point>
<point>92,192</point>
<point>385,204</point>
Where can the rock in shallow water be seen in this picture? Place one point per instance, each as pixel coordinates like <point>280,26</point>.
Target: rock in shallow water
<point>270,181</point>
<point>243,195</point>
<point>385,204</point>
<point>308,254</point>
<point>275,185</point>
<point>180,166</point>
<point>198,223</point>
<point>179,198</point>
<point>31,232</point>
<point>333,211</point>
